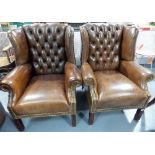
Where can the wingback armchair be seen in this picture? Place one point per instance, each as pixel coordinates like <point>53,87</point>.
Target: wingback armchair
<point>114,81</point>
<point>45,78</point>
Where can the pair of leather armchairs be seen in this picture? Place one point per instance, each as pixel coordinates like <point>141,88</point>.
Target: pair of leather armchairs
<point>45,78</point>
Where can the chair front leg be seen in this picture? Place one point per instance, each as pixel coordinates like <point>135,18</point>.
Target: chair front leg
<point>19,124</point>
<point>91,118</point>
<point>73,120</point>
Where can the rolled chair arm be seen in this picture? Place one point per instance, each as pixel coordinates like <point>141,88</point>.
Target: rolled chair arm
<point>72,75</point>
<point>88,75</point>
<point>136,73</point>
<point>90,80</point>
<point>72,80</point>
<point>16,81</point>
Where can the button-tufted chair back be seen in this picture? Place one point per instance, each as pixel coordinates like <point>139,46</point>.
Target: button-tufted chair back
<point>104,45</point>
<point>47,46</point>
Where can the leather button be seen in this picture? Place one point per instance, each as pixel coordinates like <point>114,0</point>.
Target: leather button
<point>101,42</point>
<point>48,31</point>
<point>93,55</point>
<point>52,60</point>
<point>59,46</point>
<point>58,31</point>
<point>57,66</point>
<point>40,31</point>
<point>117,28</point>
<point>116,42</point>
<point>97,62</point>
<point>56,53</point>
<point>51,46</point>
<point>54,39</point>
<point>92,28</point>
<point>31,32</point>
<point>93,42</point>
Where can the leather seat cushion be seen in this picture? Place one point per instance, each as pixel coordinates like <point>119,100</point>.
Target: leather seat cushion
<point>116,91</point>
<point>44,94</point>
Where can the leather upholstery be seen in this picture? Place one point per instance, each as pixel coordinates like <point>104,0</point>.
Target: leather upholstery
<point>47,47</point>
<point>72,75</point>
<point>72,80</point>
<point>129,43</point>
<point>85,44</point>
<point>89,80</point>
<point>136,73</point>
<point>16,81</point>
<point>40,97</point>
<point>117,91</point>
<point>114,81</point>
<point>18,40</point>
<point>69,44</point>
<point>104,46</point>
<point>88,75</point>
<point>44,82</point>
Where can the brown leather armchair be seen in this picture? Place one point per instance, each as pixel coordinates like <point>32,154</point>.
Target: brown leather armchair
<point>114,81</point>
<point>45,78</point>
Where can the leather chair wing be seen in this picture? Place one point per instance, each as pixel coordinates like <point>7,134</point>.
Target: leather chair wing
<point>18,40</point>
<point>69,44</point>
<point>129,43</point>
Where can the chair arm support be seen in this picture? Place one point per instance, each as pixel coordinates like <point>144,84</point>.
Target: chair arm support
<point>72,80</point>
<point>90,80</point>
<point>16,81</point>
<point>136,73</point>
